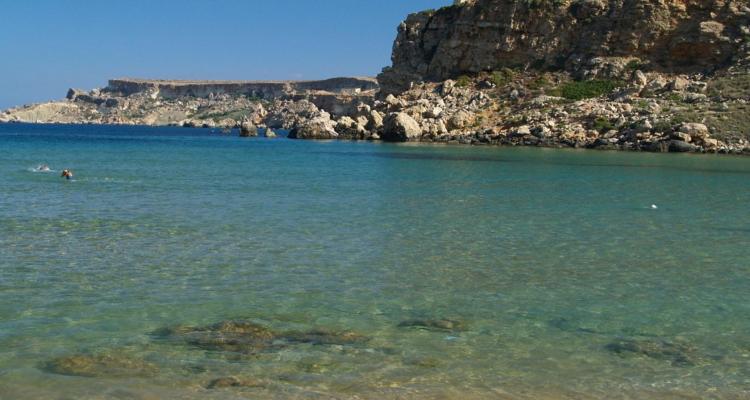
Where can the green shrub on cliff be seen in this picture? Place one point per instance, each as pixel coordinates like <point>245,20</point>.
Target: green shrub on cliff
<point>664,126</point>
<point>579,90</point>
<point>540,82</point>
<point>544,3</point>
<point>463,81</point>
<point>735,86</point>
<point>431,11</point>
<point>503,76</point>
<point>633,65</point>
<point>602,125</point>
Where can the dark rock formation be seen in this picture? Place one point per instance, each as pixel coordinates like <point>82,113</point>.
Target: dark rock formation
<point>73,93</point>
<point>100,365</point>
<point>678,354</point>
<point>247,337</point>
<point>325,337</point>
<point>233,381</point>
<point>233,336</point>
<point>434,324</point>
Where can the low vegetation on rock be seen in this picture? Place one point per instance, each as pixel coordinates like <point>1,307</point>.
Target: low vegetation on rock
<point>580,90</point>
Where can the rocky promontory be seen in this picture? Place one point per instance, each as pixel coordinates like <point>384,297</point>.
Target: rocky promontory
<point>645,75</point>
<point>588,38</point>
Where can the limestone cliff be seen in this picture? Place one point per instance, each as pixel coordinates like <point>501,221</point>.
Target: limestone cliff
<point>589,38</point>
<point>173,89</point>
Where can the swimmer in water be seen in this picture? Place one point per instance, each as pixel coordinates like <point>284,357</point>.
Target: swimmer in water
<point>43,168</point>
<point>67,174</point>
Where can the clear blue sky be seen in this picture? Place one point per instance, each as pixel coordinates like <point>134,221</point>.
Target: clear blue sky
<point>48,46</point>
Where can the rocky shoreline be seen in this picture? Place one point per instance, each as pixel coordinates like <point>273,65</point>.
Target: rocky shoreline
<point>650,112</point>
<point>680,84</point>
<point>243,339</point>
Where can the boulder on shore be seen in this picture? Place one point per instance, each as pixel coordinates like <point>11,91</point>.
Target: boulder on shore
<point>695,130</point>
<point>319,127</point>
<point>400,127</point>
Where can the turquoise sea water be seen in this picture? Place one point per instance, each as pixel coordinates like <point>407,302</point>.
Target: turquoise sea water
<point>551,258</point>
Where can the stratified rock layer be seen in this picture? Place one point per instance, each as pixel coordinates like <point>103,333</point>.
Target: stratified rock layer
<point>172,89</point>
<point>587,37</point>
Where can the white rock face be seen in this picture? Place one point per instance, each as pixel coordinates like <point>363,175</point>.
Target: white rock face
<point>400,127</point>
<point>695,129</point>
<point>375,120</point>
<point>319,127</point>
<point>460,120</point>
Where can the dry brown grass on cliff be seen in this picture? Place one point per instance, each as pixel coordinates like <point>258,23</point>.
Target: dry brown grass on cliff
<point>729,122</point>
<point>730,86</point>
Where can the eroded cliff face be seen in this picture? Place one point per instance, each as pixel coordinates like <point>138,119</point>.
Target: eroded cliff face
<point>174,89</point>
<point>589,38</point>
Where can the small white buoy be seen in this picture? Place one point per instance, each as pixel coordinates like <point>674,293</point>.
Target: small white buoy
<point>654,207</point>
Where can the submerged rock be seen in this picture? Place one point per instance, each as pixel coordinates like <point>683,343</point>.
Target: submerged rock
<point>678,354</point>
<point>235,336</point>
<point>434,324</point>
<point>100,365</point>
<point>233,381</point>
<point>422,362</point>
<point>241,336</point>
<point>567,325</point>
<point>326,337</point>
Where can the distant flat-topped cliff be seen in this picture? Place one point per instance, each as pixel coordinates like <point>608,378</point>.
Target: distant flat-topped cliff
<point>172,89</point>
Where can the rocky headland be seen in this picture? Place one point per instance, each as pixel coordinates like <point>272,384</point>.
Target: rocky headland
<point>649,75</point>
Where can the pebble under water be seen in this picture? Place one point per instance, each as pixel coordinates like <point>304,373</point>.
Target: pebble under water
<point>182,263</point>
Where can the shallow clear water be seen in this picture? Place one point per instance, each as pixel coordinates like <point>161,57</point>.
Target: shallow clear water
<point>548,256</point>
